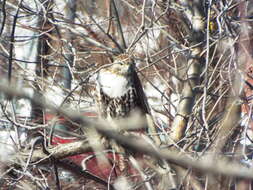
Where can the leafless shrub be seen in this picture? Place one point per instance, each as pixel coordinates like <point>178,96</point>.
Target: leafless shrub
<point>194,59</point>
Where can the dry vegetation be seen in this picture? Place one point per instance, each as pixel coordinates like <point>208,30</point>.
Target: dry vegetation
<point>194,59</point>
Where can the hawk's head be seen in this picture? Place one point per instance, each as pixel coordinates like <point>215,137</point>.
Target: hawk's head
<point>122,66</point>
<point>116,79</point>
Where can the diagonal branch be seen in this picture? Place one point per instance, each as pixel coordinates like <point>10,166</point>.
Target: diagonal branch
<point>137,144</point>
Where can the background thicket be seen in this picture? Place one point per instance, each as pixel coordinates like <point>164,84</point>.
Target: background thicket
<point>194,59</point>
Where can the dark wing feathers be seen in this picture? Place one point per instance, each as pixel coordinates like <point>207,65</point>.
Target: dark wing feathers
<point>141,97</point>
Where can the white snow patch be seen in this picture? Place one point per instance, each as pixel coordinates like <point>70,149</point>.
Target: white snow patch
<point>8,145</point>
<point>157,101</point>
<point>54,95</point>
<point>24,106</point>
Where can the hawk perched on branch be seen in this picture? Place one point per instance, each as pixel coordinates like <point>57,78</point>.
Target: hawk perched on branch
<point>119,93</point>
<point>119,90</point>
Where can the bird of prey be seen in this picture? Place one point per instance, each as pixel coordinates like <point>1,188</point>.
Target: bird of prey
<point>119,90</point>
<point>120,93</point>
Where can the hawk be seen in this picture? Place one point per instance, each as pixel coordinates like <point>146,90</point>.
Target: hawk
<point>119,90</point>
<point>120,93</point>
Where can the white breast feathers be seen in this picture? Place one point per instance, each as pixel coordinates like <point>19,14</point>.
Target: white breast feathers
<point>112,85</point>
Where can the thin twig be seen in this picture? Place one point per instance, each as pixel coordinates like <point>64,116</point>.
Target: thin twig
<point>115,11</point>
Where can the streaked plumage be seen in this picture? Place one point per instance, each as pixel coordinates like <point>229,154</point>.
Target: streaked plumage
<point>119,91</point>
